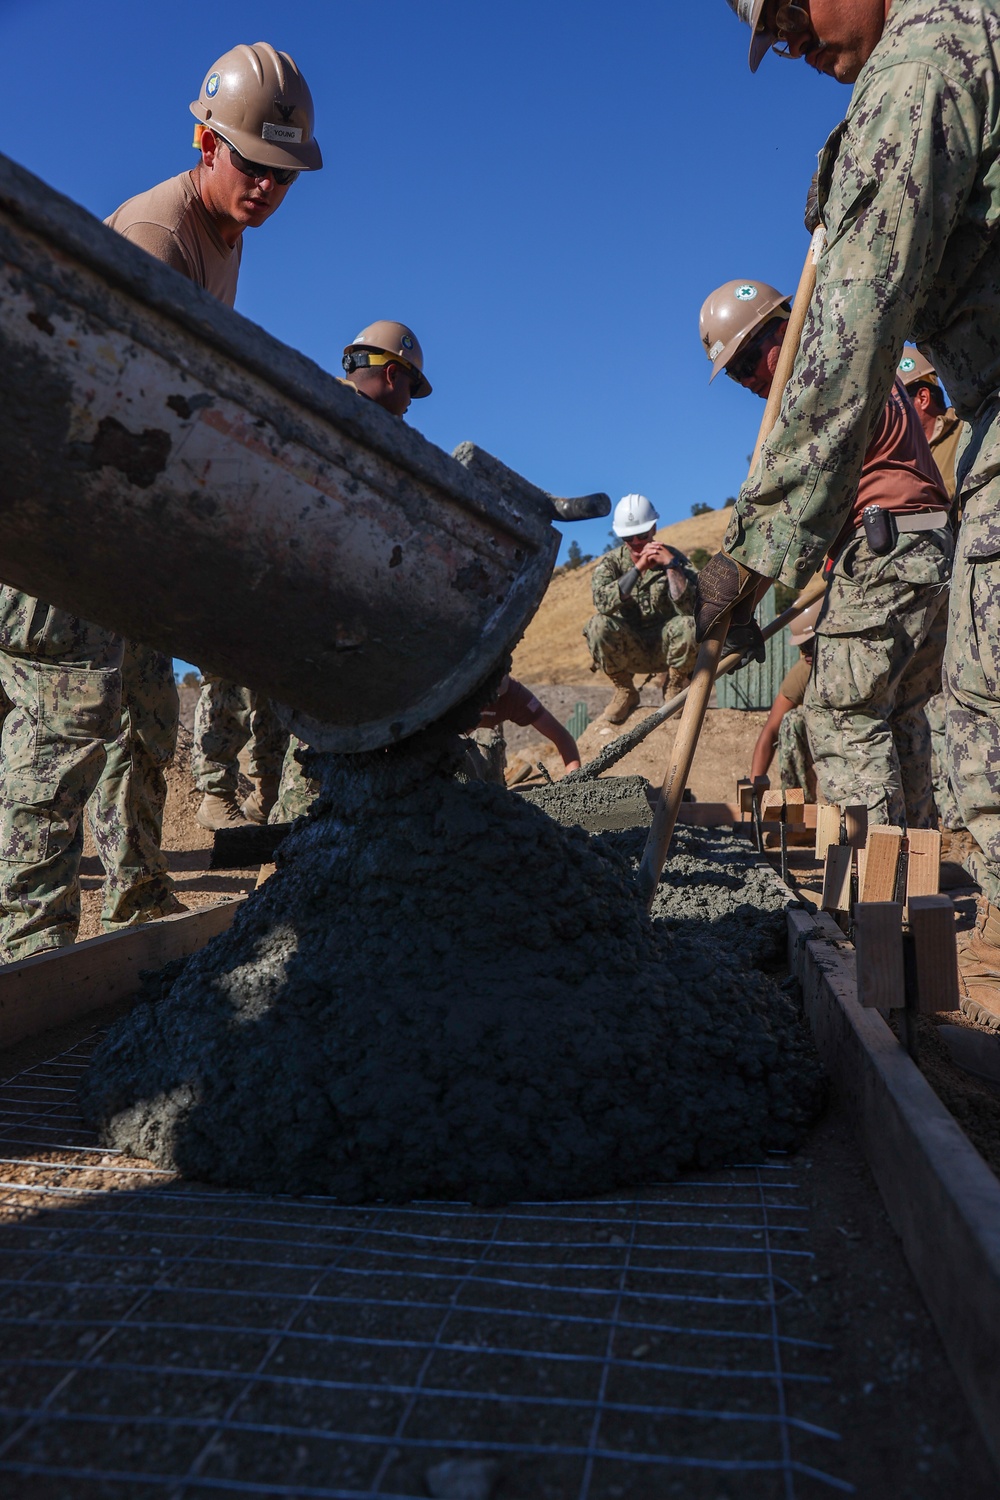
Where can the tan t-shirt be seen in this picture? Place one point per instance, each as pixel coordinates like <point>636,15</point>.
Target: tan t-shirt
<point>796,680</point>
<point>171,222</point>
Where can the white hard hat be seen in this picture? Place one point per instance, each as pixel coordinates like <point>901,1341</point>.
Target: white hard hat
<point>803,628</point>
<point>633,514</point>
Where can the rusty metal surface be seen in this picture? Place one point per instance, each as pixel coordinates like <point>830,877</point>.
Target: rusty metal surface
<point>174,473</point>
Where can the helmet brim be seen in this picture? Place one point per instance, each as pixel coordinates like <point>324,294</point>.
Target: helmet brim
<point>625,531</point>
<point>761,42</point>
<point>306,157</point>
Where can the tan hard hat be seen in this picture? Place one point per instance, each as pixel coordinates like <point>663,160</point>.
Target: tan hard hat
<point>388,337</point>
<point>732,313</point>
<point>761,40</point>
<point>257,99</point>
<point>803,628</point>
<point>913,368</point>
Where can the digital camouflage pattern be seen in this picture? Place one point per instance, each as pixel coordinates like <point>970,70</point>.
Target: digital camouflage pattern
<point>297,791</point>
<point>226,718</point>
<point>60,675</point>
<point>795,762</point>
<point>126,811</point>
<point>647,631</point>
<point>910,194</point>
<point>944,797</point>
<point>879,647</point>
<point>972,672</point>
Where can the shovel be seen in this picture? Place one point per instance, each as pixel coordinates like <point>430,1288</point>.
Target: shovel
<point>706,666</point>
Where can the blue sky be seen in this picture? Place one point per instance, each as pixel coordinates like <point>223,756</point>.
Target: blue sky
<point>546,192</point>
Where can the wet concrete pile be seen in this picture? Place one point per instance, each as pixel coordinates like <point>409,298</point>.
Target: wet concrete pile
<point>444,992</point>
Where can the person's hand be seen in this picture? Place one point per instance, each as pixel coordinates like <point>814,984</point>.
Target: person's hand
<point>724,584</point>
<point>571,765</point>
<point>654,555</point>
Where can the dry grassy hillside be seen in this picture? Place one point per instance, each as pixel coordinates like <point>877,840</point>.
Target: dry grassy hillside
<point>553,648</point>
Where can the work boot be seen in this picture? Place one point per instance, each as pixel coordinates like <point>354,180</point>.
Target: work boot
<point>676,683</point>
<point>260,801</point>
<point>979,968</point>
<point>218,811</point>
<point>625,701</point>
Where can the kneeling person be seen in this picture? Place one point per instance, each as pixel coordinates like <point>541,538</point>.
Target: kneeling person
<point>644,599</point>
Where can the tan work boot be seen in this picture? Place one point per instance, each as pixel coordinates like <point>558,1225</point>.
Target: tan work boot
<point>217,811</point>
<point>261,799</point>
<point>625,701</point>
<point>676,683</point>
<point>979,968</point>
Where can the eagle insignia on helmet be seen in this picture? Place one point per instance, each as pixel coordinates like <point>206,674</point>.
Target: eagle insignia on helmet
<point>212,85</point>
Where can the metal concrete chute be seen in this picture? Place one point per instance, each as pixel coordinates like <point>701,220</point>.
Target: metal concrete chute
<point>175,473</point>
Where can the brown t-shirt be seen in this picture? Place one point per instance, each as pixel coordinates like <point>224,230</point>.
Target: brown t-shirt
<point>515,704</point>
<point>171,223</point>
<point>899,473</point>
<point>795,681</point>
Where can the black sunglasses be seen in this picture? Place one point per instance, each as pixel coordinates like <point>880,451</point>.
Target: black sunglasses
<point>281,175</point>
<point>743,364</point>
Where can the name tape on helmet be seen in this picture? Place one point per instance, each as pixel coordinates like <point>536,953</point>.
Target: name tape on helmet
<point>716,349</point>
<point>284,134</point>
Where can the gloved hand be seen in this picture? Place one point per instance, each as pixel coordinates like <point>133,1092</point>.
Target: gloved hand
<point>812,214</point>
<point>748,641</point>
<point>723,584</point>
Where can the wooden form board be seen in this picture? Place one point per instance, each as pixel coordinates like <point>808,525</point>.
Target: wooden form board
<point>942,1198</point>
<point>53,988</point>
<point>856,825</point>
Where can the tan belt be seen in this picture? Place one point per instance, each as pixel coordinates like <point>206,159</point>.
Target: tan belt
<point>918,520</point>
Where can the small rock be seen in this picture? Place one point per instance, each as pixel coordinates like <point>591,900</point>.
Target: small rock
<point>463,1479</point>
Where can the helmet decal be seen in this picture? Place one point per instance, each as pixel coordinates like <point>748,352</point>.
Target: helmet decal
<point>716,349</point>
<point>907,364</point>
<point>212,85</point>
<point>745,293</point>
<point>406,341</point>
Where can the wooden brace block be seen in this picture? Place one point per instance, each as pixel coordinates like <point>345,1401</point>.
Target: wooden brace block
<point>856,825</point>
<point>795,811</point>
<point>878,940</point>
<point>923,871</point>
<point>881,864</point>
<point>264,873</point>
<point>932,923</point>
<point>771,805</point>
<point>744,798</point>
<point>827,828</point>
<point>837,878</point>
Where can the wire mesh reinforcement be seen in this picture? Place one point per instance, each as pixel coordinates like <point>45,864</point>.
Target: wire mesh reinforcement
<point>162,1338</point>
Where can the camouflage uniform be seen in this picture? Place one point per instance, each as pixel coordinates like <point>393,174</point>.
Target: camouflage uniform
<point>910,196</point>
<point>944,797</point>
<point>126,810</point>
<point>647,631</point>
<point>795,762</point>
<point>879,645</point>
<point>226,718</point>
<point>61,676</point>
<point>297,791</point>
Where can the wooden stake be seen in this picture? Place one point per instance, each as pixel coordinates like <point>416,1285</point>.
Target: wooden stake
<point>827,827</point>
<point>923,873</point>
<point>795,811</point>
<point>856,826</point>
<point>878,940</point>
<point>837,878</point>
<point>932,923</point>
<point>881,864</point>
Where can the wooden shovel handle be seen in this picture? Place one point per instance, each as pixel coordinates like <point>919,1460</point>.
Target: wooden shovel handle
<point>710,650</point>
